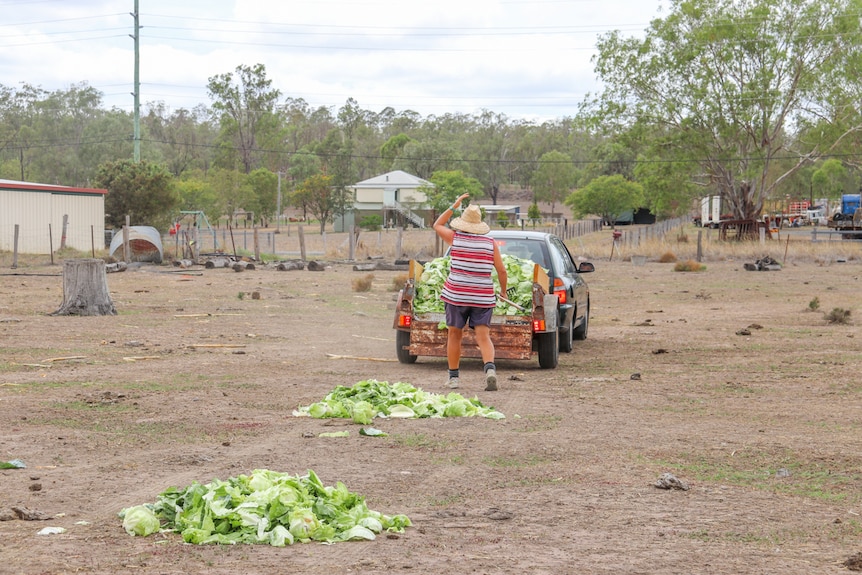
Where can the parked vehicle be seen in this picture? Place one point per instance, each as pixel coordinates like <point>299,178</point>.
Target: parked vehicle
<point>849,216</point>
<point>559,315</point>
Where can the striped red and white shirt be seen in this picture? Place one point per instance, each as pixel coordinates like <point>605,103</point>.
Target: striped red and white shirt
<point>469,282</point>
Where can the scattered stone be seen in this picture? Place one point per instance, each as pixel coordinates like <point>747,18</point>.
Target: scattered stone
<point>635,377</point>
<point>498,514</point>
<point>854,562</point>
<point>669,481</point>
<point>744,331</point>
<point>659,351</point>
<point>25,514</point>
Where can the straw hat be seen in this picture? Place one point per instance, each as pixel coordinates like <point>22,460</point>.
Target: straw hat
<point>470,222</point>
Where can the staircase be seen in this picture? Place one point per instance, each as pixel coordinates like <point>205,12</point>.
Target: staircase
<point>415,219</point>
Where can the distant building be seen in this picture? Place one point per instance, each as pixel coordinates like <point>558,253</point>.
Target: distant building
<point>38,211</point>
<point>395,196</point>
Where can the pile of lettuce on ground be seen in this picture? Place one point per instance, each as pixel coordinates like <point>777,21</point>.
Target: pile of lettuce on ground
<point>429,286</point>
<point>368,399</point>
<point>265,507</point>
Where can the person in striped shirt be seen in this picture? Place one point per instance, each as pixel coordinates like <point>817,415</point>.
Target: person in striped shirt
<point>468,293</point>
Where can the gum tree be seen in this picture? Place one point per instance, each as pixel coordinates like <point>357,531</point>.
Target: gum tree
<point>740,94</point>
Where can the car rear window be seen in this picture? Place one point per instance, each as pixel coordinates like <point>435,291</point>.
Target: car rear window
<point>533,250</point>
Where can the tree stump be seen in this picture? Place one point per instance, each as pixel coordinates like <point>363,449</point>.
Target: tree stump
<point>85,289</point>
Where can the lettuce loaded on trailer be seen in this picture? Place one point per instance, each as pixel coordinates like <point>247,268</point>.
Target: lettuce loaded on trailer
<point>515,336</point>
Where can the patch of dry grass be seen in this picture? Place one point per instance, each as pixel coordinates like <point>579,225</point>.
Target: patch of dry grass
<point>689,266</point>
<point>363,284</point>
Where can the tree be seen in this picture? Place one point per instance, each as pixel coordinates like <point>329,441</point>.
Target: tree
<point>264,184</point>
<point>608,197</point>
<point>141,190</point>
<point>830,179</point>
<point>245,107</point>
<point>554,178</point>
<point>534,213</point>
<point>446,186</point>
<point>726,83</point>
<point>197,194</point>
<point>316,194</point>
<point>393,147</point>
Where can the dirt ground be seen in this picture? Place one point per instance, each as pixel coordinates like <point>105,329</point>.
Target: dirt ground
<point>728,379</point>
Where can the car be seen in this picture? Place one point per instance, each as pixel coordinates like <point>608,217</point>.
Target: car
<point>572,291</point>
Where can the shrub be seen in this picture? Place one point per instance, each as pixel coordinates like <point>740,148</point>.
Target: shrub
<point>689,266</point>
<point>364,283</point>
<point>503,220</point>
<point>372,222</point>
<point>838,315</point>
<point>667,258</point>
<point>399,281</point>
<point>814,304</point>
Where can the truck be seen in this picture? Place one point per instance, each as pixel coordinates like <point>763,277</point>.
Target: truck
<point>514,336</point>
<point>849,216</point>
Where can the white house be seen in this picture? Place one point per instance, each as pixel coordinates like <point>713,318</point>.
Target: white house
<point>396,196</point>
<point>39,210</point>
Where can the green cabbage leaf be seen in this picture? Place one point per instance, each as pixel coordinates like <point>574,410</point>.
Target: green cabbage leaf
<point>266,507</point>
<point>368,399</point>
<point>429,287</point>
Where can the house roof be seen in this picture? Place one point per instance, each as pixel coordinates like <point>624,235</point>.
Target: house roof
<point>394,179</point>
<point>34,187</point>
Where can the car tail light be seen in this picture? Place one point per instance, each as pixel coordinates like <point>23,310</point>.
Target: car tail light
<point>404,320</point>
<point>560,290</point>
<point>538,325</point>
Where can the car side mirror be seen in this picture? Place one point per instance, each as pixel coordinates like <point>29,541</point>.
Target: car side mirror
<point>586,267</point>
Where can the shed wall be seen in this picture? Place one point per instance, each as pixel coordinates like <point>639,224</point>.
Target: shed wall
<point>39,216</point>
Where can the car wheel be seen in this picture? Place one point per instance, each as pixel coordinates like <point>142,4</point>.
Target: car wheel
<point>566,338</point>
<point>402,339</point>
<point>549,351</point>
<point>580,333</point>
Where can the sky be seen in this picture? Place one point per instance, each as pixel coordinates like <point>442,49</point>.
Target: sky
<point>526,59</point>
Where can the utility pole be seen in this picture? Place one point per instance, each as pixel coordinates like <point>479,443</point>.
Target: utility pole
<point>278,209</point>
<point>137,93</point>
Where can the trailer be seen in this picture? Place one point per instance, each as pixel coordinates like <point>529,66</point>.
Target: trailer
<point>514,336</point>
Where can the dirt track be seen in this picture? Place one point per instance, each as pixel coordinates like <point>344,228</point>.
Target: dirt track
<point>724,378</point>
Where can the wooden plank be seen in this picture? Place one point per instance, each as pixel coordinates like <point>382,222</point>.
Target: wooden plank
<point>541,277</point>
<point>510,341</point>
<point>416,270</point>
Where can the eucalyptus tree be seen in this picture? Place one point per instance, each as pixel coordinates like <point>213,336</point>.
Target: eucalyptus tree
<point>554,178</point>
<point>244,103</point>
<point>735,87</point>
<point>182,138</point>
<point>491,146</point>
<point>423,158</point>
<point>19,110</point>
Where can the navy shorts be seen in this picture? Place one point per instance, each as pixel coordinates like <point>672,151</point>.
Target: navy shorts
<point>458,315</point>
